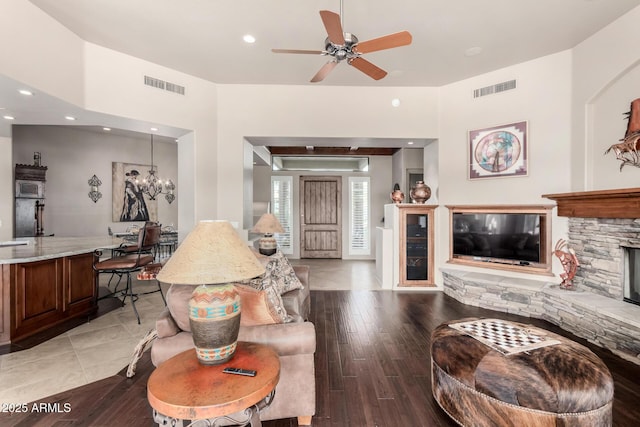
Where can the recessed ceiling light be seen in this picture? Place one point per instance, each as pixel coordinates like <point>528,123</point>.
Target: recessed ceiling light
<point>395,102</point>
<point>106,129</point>
<point>248,38</point>
<point>25,92</point>
<point>410,143</point>
<point>71,118</point>
<point>8,117</point>
<point>154,129</point>
<point>473,51</point>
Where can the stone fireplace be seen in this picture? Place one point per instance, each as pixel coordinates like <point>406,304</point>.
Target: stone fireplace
<point>631,288</point>
<point>604,247</point>
<point>604,230</point>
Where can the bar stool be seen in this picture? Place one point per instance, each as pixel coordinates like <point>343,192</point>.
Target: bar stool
<point>126,263</point>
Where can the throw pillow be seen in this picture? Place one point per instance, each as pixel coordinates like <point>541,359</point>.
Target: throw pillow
<point>260,307</point>
<point>269,298</point>
<point>282,274</point>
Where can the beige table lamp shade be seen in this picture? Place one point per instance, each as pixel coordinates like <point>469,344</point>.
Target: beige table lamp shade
<point>268,224</point>
<point>212,253</point>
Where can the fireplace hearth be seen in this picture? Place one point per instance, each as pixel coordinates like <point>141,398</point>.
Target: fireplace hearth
<point>631,291</point>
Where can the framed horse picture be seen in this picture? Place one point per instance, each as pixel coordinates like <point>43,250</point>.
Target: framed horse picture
<point>499,151</point>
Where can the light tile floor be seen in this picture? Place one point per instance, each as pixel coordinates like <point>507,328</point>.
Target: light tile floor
<point>104,346</point>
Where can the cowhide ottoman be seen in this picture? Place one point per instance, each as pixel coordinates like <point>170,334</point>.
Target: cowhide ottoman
<point>491,372</point>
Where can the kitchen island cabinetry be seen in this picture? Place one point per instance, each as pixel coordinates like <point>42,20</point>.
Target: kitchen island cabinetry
<point>45,283</point>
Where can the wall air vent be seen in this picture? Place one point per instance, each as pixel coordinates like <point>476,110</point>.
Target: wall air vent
<point>161,84</point>
<point>489,90</point>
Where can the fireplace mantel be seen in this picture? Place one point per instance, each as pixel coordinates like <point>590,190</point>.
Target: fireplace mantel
<point>620,203</point>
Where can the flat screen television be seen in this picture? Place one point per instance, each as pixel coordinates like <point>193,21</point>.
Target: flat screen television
<point>508,238</point>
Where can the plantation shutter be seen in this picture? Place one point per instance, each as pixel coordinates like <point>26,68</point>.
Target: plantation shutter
<point>281,207</point>
<point>359,230</point>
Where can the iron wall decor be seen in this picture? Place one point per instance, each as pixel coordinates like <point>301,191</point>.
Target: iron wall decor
<point>498,151</point>
<point>94,184</point>
<point>628,151</point>
<point>128,201</point>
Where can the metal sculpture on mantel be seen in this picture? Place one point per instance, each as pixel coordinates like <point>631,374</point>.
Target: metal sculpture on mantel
<point>628,151</point>
<point>569,263</point>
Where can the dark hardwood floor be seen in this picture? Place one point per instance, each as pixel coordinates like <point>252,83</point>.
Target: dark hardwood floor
<point>372,368</point>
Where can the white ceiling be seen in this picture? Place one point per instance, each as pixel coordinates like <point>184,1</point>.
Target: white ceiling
<point>204,38</point>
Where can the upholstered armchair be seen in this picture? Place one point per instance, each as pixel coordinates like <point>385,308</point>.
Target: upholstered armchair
<point>294,341</point>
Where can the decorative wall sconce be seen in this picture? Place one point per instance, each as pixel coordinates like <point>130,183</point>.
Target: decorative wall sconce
<point>94,183</point>
<point>170,186</point>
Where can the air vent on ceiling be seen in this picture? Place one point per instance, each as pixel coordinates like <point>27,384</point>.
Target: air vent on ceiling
<point>161,84</point>
<point>489,90</point>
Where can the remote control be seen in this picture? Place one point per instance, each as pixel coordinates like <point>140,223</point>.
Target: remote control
<point>238,371</point>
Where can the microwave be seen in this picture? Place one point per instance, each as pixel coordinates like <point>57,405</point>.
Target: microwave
<point>29,189</point>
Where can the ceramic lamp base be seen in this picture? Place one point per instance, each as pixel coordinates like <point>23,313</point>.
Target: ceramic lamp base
<point>214,316</point>
<point>267,245</point>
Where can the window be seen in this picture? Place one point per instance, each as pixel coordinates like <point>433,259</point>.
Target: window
<point>359,230</point>
<point>281,207</point>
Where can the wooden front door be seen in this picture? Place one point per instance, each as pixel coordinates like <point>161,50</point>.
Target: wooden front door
<point>320,217</point>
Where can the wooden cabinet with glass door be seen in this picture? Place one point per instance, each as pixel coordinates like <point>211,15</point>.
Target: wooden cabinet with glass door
<point>416,245</point>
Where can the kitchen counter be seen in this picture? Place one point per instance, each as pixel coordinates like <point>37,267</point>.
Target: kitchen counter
<point>42,248</point>
<point>47,282</point>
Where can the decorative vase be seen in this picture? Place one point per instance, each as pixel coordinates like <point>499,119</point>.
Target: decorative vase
<point>420,193</point>
<point>214,316</point>
<point>397,196</point>
<point>267,245</point>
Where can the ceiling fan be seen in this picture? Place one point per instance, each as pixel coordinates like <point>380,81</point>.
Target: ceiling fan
<point>341,46</point>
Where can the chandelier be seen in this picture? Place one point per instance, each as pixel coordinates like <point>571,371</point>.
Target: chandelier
<point>153,186</point>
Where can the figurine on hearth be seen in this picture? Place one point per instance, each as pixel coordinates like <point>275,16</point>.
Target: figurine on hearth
<point>569,263</point>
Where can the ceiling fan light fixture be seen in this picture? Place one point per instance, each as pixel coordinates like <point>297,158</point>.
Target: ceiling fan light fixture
<point>342,46</point>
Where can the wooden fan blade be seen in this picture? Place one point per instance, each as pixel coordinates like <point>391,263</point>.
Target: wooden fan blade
<point>309,52</point>
<point>368,68</point>
<point>324,71</point>
<point>331,21</point>
<point>385,42</point>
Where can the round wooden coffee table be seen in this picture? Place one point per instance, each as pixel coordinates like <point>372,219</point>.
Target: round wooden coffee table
<point>183,389</point>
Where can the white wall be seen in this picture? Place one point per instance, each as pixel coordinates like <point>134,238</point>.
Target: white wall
<point>542,98</point>
<point>608,126</point>
<point>126,95</point>
<point>605,62</point>
<point>49,58</point>
<point>314,111</point>
<point>432,170</point>
<point>39,51</point>
<point>72,156</point>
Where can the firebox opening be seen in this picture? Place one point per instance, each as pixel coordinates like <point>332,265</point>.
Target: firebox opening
<point>632,275</point>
